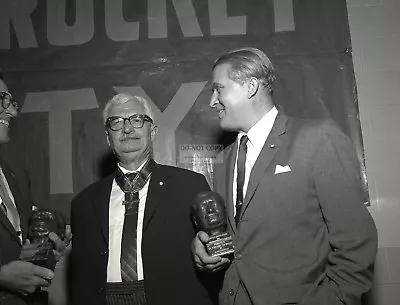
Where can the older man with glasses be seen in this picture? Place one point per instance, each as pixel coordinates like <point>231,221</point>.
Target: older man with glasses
<point>132,230</point>
<point>20,281</point>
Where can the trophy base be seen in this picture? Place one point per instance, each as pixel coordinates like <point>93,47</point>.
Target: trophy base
<point>220,245</point>
<point>40,254</point>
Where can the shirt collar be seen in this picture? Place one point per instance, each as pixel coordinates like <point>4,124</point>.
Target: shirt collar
<point>258,134</point>
<point>126,171</point>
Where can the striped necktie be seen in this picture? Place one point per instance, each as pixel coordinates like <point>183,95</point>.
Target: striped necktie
<point>128,246</point>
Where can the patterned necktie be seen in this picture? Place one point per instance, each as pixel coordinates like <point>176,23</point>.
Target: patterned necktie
<point>8,205</point>
<point>128,245</point>
<point>241,168</point>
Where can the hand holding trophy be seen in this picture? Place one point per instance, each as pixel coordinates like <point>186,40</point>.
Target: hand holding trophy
<point>209,215</point>
<point>39,250</point>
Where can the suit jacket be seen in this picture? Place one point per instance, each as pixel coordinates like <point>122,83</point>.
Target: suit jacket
<point>304,236</point>
<point>10,243</point>
<point>169,273</point>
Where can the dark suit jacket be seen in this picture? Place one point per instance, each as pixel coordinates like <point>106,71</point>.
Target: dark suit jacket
<point>10,243</point>
<point>305,236</point>
<point>170,275</point>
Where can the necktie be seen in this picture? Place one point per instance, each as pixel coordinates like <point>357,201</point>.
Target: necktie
<point>8,205</point>
<point>241,168</point>
<point>128,245</point>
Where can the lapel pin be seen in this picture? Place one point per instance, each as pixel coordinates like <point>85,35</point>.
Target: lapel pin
<point>161,183</point>
<point>272,146</point>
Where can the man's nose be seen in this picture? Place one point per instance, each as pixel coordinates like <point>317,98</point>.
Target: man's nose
<point>128,127</point>
<point>12,110</point>
<point>214,100</point>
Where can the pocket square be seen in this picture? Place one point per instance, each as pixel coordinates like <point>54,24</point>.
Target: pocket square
<point>282,169</point>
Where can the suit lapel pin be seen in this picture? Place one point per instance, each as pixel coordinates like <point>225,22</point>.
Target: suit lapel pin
<point>272,146</point>
<point>161,183</point>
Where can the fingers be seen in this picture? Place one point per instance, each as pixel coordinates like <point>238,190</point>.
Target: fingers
<point>202,259</point>
<point>200,254</point>
<point>31,284</point>
<point>68,234</point>
<point>42,274</point>
<point>59,244</point>
<point>25,277</point>
<point>61,247</point>
<point>203,236</point>
<point>216,267</point>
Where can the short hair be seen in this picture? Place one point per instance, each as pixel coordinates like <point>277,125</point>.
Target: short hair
<point>249,62</point>
<point>122,98</point>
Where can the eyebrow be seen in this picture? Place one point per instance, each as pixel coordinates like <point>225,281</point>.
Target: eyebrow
<point>215,86</point>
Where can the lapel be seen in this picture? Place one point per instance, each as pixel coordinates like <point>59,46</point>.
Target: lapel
<point>7,224</point>
<point>158,186</point>
<point>230,160</point>
<point>101,203</point>
<point>271,146</point>
<point>18,202</point>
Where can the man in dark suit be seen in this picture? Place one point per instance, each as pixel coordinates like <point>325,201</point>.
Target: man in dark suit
<point>294,199</point>
<point>20,281</point>
<point>153,266</point>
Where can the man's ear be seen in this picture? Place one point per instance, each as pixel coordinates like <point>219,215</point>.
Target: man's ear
<point>108,137</point>
<point>153,132</point>
<point>253,86</point>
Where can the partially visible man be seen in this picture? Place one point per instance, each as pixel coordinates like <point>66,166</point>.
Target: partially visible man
<point>20,281</point>
<point>294,198</point>
<point>132,230</point>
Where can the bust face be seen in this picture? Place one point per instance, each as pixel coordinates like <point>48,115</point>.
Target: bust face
<point>209,213</point>
<point>43,222</point>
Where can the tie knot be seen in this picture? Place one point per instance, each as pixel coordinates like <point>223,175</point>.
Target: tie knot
<point>243,141</point>
<point>131,176</point>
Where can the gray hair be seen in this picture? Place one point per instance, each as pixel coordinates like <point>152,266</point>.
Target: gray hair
<point>249,62</point>
<point>122,98</point>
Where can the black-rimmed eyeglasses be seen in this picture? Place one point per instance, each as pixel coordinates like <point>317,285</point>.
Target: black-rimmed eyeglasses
<point>7,99</point>
<point>116,123</point>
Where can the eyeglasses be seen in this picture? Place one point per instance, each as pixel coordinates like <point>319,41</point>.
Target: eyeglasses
<point>7,99</point>
<point>116,123</point>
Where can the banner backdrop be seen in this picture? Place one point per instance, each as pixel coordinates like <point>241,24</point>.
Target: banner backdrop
<point>63,59</point>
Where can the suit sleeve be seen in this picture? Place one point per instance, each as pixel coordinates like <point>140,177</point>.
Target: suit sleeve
<point>352,232</point>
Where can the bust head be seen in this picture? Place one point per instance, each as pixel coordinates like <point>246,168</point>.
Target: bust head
<point>208,213</point>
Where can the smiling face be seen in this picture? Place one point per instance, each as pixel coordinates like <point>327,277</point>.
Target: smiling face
<point>131,145</point>
<point>230,99</point>
<point>5,116</point>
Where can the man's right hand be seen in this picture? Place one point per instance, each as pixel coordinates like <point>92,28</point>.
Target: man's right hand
<point>24,277</point>
<point>202,259</point>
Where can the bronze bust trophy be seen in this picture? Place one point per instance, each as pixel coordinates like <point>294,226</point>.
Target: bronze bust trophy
<point>39,250</point>
<point>209,215</point>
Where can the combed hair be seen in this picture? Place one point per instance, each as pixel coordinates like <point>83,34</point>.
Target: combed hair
<point>246,63</point>
<point>122,98</point>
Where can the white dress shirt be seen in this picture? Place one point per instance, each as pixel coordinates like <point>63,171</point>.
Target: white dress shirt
<point>115,228</point>
<point>257,135</point>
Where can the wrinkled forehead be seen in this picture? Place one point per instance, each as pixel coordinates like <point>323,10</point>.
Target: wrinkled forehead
<point>127,109</point>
